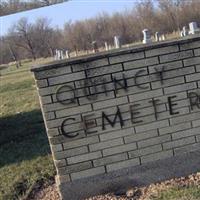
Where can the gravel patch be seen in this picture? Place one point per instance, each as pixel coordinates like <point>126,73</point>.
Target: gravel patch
<point>143,193</point>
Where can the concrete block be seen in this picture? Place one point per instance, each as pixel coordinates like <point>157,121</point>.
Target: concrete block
<point>176,56</point>
<point>57,123</point>
<point>110,159</point>
<point>104,70</point>
<point>53,132</point>
<point>57,147</point>
<point>63,179</point>
<point>123,164</point>
<point>140,136</point>
<point>186,133</point>
<point>53,72</point>
<point>133,90</point>
<point>162,50</point>
<point>145,151</point>
<point>52,89</point>
<point>176,128</point>
<point>185,118</point>
<point>151,126</point>
<point>188,148</point>
<point>73,111</point>
<point>168,82</point>
<point>197,68</point>
<point>178,143</point>
<point>173,73</point>
<point>84,157</point>
<point>89,65</point>
<point>66,78</point>
<point>198,138</point>
<point>180,88</point>
<point>191,61</point>
<point>60,163</point>
<point>126,57</point>
<point>109,103</point>
<point>146,95</point>
<point>167,66</point>
<point>99,98</point>
<point>70,152</point>
<point>141,63</point>
<point>50,115</point>
<point>81,142</point>
<point>75,168</point>
<point>119,149</point>
<point>156,156</point>
<point>154,141</point>
<point>196,123</point>
<point>106,144</point>
<point>46,100</point>
<point>193,77</point>
<point>87,173</point>
<point>190,45</point>
<point>197,52</point>
<point>41,83</point>
<point>116,134</point>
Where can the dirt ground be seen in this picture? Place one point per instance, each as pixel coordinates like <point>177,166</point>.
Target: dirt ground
<point>144,193</point>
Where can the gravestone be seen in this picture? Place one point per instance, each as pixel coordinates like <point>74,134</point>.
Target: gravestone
<point>146,36</point>
<point>193,28</point>
<point>123,118</point>
<point>117,42</point>
<point>157,36</point>
<point>185,31</point>
<point>67,54</point>
<point>95,47</point>
<point>106,46</point>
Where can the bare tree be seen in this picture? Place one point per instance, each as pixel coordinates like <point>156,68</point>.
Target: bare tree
<point>39,39</point>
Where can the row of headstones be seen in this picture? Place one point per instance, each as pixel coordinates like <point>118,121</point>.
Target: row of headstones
<point>147,38</point>
<point>193,29</point>
<point>60,54</point>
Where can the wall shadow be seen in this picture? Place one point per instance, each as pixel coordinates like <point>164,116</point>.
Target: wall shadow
<point>22,137</point>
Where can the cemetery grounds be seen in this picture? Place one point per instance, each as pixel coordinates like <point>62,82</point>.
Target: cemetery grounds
<point>25,158</point>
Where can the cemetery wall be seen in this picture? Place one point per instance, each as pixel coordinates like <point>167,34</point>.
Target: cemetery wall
<point>123,118</point>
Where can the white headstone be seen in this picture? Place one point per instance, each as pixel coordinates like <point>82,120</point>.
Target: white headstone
<point>185,31</point>
<point>95,47</point>
<point>67,54</point>
<point>106,46</point>
<point>193,28</point>
<point>55,56</point>
<point>61,54</point>
<point>163,37</point>
<point>117,43</point>
<point>157,37</point>
<point>181,34</point>
<point>146,36</point>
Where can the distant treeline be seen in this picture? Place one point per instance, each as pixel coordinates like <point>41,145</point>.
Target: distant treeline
<point>12,6</point>
<point>39,39</point>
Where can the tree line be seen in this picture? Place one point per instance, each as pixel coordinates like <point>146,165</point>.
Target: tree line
<point>40,39</point>
<point>12,6</point>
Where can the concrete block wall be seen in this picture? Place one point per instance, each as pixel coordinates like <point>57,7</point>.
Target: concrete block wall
<point>125,80</point>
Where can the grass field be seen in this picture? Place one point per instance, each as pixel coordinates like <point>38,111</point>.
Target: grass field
<point>25,160</point>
